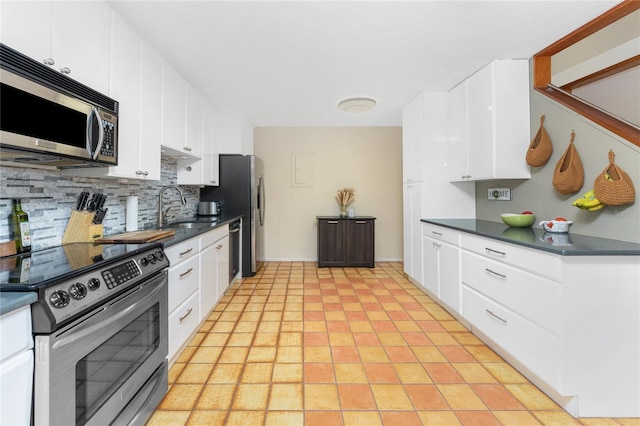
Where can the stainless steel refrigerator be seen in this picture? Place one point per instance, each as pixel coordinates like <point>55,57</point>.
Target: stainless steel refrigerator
<point>241,192</point>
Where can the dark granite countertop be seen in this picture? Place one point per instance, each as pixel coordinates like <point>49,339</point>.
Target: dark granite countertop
<point>10,301</point>
<point>565,244</point>
<point>208,223</point>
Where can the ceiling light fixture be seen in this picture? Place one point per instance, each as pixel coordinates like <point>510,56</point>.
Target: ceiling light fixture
<point>356,105</point>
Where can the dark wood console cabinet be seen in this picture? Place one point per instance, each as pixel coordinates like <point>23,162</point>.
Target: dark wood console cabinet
<point>346,241</point>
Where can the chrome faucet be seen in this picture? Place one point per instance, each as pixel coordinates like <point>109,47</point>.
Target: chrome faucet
<point>162,213</point>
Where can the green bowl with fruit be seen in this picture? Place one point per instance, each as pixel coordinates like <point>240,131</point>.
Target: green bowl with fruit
<point>522,220</point>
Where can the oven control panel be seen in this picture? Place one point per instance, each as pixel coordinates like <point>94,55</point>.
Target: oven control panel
<point>75,296</point>
<point>121,274</point>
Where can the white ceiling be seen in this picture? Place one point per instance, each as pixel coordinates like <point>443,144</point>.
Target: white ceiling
<point>289,63</point>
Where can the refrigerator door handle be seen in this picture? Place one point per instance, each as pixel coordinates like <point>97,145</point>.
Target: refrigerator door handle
<point>261,200</point>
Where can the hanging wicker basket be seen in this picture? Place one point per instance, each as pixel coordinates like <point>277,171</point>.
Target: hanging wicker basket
<point>613,186</point>
<point>540,148</point>
<point>568,175</point>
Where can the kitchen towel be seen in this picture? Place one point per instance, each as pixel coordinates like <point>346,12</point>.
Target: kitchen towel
<point>132,213</point>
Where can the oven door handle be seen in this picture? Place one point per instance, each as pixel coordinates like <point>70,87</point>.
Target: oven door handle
<point>88,327</point>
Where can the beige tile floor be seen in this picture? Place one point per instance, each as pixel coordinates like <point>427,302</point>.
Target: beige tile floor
<point>298,345</point>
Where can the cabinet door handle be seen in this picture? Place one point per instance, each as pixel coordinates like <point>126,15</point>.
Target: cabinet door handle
<point>504,321</point>
<point>48,61</point>
<point>186,252</point>
<point>332,222</point>
<point>436,245</point>
<point>188,271</point>
<point>495,273</point>
<point>437,233</point>
<point>186,148</point>
<point>233,231</point>
<point>219,246</point>
<point>501,253</point>
<point>65,70</point>
<point>185,315</point>
<point>361,222</point>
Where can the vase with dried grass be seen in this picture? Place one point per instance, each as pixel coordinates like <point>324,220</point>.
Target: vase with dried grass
<point>345,196</point>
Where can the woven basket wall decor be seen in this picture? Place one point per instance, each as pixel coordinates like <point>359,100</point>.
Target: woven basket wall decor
<point>568,175</point>
<point>613,186</point>
<point>540,148</point>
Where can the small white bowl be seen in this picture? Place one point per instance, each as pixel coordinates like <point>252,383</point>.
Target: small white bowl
<point>555,225</point>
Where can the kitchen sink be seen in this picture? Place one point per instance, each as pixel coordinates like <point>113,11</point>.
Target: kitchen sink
<point>188,225</point>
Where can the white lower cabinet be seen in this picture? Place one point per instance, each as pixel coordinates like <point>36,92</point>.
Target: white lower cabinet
<point>198,277</point>
<point>564,321</point>
<point>441,264</point>
<point>184,280</point>
<point>214,278</point>
<point>183,321</point>
<point>534,347</point>
<point>184,293</point>
<point>222,260</point>
<point>16,367</point>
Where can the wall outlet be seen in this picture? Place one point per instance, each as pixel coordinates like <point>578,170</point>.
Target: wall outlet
<point>499,194</point>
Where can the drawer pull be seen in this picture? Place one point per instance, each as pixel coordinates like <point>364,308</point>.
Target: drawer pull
<point>185,315</point>
<point>187,272</point>
<point>495,273</point>
<point>361,222</point>
<point>437,233</point>
<point>504,321</point>
<point>501,253</point>
<point>186,252</point>
<point>332,222</point>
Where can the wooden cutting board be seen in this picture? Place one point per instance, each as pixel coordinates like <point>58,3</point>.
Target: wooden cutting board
<point>137,237</point>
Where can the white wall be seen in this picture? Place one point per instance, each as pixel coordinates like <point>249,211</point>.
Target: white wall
<point>368,159</point>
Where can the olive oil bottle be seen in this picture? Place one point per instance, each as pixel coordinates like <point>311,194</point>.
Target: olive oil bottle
<point>21,231</point>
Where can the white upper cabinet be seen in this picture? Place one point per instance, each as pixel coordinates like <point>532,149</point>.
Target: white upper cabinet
<point>135,81</point>
<point>70,37</point>
<point>211,172</point>
<point>124,85</point>
<point>181,115</point>
<point>458,160</point>
<point>80,41</point>
<point>150,110</point>
<point>26,27</point>
<point>204,171</point>
<point>195,118</point>
<point>412,141</point>
<point>488,122</point>
<point>174,100</point>
<point>233,132</point>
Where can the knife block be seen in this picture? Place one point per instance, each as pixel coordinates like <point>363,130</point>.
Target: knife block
<point>80,229</point>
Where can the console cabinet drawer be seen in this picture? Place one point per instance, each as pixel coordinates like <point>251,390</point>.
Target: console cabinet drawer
<point>184,279</point>
<point>533,347</point>
<point>537,299</point>
<point>534,261</point>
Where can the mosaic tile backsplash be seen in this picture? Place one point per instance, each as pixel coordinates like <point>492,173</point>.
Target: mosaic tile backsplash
<point>49,196</point>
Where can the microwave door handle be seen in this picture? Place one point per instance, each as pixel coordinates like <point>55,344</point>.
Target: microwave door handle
<point>94,114</point>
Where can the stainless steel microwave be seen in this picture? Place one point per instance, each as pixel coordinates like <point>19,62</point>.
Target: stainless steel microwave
<point>49,119</point>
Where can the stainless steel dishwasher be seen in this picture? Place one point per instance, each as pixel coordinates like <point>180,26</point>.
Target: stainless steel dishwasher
<point>234,249</point>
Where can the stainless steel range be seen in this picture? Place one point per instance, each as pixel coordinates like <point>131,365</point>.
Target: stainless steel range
<point>100,329</point>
